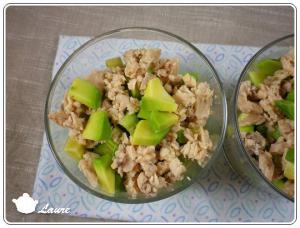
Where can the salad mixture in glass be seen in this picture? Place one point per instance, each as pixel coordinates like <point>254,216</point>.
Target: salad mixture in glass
<point>133,126</point>
<point>266,119</point>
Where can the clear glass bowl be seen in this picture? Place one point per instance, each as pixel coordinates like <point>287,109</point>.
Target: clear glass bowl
<point>235,151</point>
<point>92,55</point>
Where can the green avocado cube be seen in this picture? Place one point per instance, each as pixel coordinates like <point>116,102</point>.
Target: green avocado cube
<point>109,147</point>
<point>151,70</point>
<point>229,131</point>
<point>263,69</point>
<point>156,104</point>
<point>181,139</point>
<point>290,96</point>
<point>268,66</point>
<point>135,93</point>
<point>155,89</point>
<point>85,93</point>
<point>278,183</point>
<point>262,129</point>
<point>156,98</point>
<point>144,114</point>
<point>195,75</point>
<point>257,77</point>
<point>116,132</point>
<point>74,149</point>
<point>145,135</point>
<point>274,134</point>
<point>162,120</point>
<point>105,174</point>
<point>242,116</point>
<point>119,186</point>
<point>289,170</point>
<point>286,107</point>
<point>98,127</point>
<point>129,122</point>
<point>290,156</point>
<point>114,62</point>
<point>247,129</point>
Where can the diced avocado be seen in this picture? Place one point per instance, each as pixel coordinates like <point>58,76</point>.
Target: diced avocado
<point>247,129</point>
<point>135,93</point>
<point>268,66</point>
<point>287,107</point>
<point>114,62</point>
<point>278,183</point>
<point>195,75</point>
<point>290,155</point>
<point>263,69</point>
<point>150,70</point>
<point>156,104</point>
<point>257,77</point>
<point>262,129</point>
<point>74,149</point>
<point>181,139</point>
<point>229,131</point>
<point>289,170</point>
<point>275,134</point>
<point>156,90</point>
<point>129,122</point>
<point>290,96</point>
<point>156,98</point>
<point>119,186</point>
<point>184,160</point>
<point>85,93</point>
<point>105,174</point>
<point>116,132</point>
<point>242,116</point>
<point>145,135</point>
<point>109,147</point>
<point>144,114</point>
<point>98,127</point>
<point>162,120</point>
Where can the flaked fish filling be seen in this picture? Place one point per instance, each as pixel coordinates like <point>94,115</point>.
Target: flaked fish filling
<point>144,169</point>
<point>267,129</point>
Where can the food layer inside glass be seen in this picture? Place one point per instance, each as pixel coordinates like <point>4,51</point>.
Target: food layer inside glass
<point>266,119</point>
<point>133,125</point>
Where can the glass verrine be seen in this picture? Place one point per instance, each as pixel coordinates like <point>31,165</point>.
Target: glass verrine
<point>92,55</point>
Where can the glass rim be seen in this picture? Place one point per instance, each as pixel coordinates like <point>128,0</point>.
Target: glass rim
<point>235,116</point>
<point>88,44</point>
